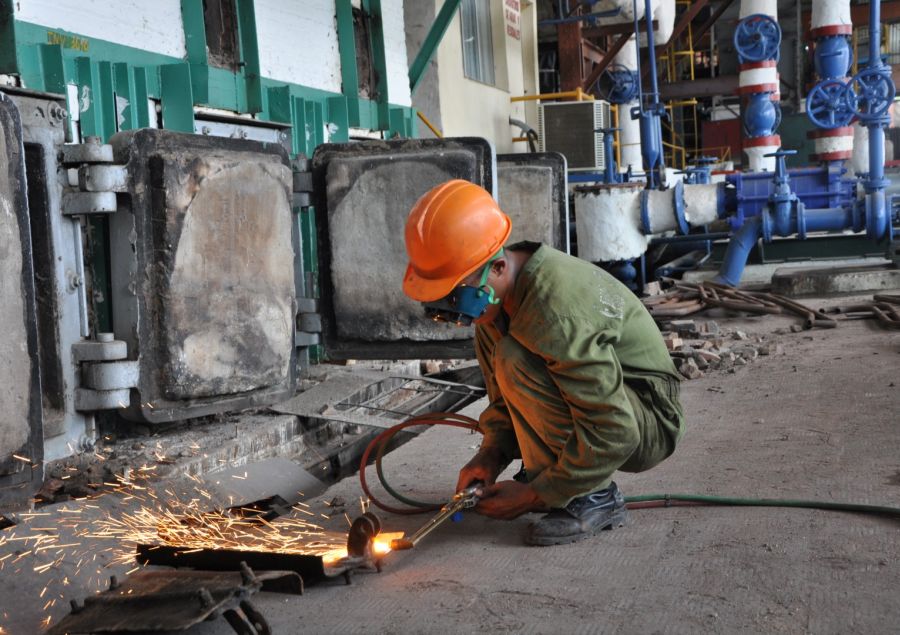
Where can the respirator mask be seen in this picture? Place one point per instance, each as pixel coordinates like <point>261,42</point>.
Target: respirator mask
<point>465,303</point>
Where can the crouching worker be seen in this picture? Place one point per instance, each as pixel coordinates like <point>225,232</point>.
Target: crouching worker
<point>579,380</point>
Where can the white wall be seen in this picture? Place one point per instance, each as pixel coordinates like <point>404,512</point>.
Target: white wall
<point>298,42</point>
<point>395,53</point>
<point>152,26</point>
<point>470,108</point>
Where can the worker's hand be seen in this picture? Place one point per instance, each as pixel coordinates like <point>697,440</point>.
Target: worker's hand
<point>507,500</point>
<point>484,466</point>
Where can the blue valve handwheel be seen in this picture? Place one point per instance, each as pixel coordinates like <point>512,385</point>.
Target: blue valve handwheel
<point>870,93</point>
<point>622,84</point>
<point>827,105</point>
<point>757,38</point>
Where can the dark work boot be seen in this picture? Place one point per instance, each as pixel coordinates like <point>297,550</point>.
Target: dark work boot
<point>582,517</point>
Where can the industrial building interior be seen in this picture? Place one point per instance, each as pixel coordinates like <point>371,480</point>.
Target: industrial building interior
<point>223,414</point>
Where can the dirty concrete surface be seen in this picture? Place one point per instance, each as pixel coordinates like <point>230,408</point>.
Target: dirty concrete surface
<point>818,421</point>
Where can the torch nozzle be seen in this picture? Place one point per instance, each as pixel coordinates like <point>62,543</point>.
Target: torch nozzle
<point>402,544</point>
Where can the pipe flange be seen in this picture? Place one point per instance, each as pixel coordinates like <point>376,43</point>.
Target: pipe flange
<point>678,206</point>
<point>766,217</point>
<point>645,212</point>
<point>800,212</point>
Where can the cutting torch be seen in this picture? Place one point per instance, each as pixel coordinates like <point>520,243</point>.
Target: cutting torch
<point>463,499</point>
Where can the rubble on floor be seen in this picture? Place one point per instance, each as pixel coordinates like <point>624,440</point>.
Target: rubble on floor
<point>698,347</point>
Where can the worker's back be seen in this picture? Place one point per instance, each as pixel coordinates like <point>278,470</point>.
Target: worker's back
<point>555,293</point>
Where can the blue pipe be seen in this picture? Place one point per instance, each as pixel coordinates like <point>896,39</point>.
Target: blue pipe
<point>877,221</point>
<point>739,247</point>
<point>651,131</point>
<point>828,219</point>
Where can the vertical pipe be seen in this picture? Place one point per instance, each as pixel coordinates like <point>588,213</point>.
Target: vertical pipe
<point>651,52</point>
<point>875,33</point>
<point>798,57</point>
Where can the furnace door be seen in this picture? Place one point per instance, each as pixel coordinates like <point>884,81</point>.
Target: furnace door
<point>21,434</point>
<point>363,192</point>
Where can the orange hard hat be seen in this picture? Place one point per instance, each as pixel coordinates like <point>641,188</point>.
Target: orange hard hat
<point>451,231</point>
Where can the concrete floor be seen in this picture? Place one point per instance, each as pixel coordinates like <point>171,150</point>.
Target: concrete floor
<point>818,422</point>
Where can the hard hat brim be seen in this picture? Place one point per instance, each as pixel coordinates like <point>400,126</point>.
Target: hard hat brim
<point>430,289</point>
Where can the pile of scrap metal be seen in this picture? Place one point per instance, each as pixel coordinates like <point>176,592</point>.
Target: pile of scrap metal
<point>884,308</point>
<point>686,298</point>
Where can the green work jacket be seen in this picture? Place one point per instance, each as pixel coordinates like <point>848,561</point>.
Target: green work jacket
<point>595,337</point>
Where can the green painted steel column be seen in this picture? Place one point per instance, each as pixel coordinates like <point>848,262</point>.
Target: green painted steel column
<point>176,97</point>
<point>432,40</point>
<point>141,97</point>
<point>54,68</point>
<point>8,49</point>
<point>124,82</point>
<point>246,17</point>
<point>347,49</point>
<point>194,27</point>
<point>379,61</point>
<point>88,84</point>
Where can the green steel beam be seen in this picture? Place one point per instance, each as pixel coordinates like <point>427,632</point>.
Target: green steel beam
<point>107,99</point>
<point>246,18</point>
<point>194,28</point>
<point>176,97</point>
<point>125,91</point>
<point>347,49</point>
<point>8,49</point>
<point>280,104</point>
<point>141,97</point>
<point>298,121</point>
<point>338,116</point>
<point>432,40</point>
<point>379,61</point>
<point>88,85</point>
<point>53,68</point>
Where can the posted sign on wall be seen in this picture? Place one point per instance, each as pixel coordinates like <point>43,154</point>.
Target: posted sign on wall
<point>511,15</point>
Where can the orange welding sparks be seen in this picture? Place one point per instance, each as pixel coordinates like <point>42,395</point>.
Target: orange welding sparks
<point>135,514</point>
<point>21,458</point>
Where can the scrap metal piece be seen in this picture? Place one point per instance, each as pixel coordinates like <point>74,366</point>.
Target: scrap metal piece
<point>152,601</point>
<point>311,568</point>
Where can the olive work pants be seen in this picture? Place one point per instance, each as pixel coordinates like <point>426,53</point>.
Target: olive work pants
<point>543,420</point>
